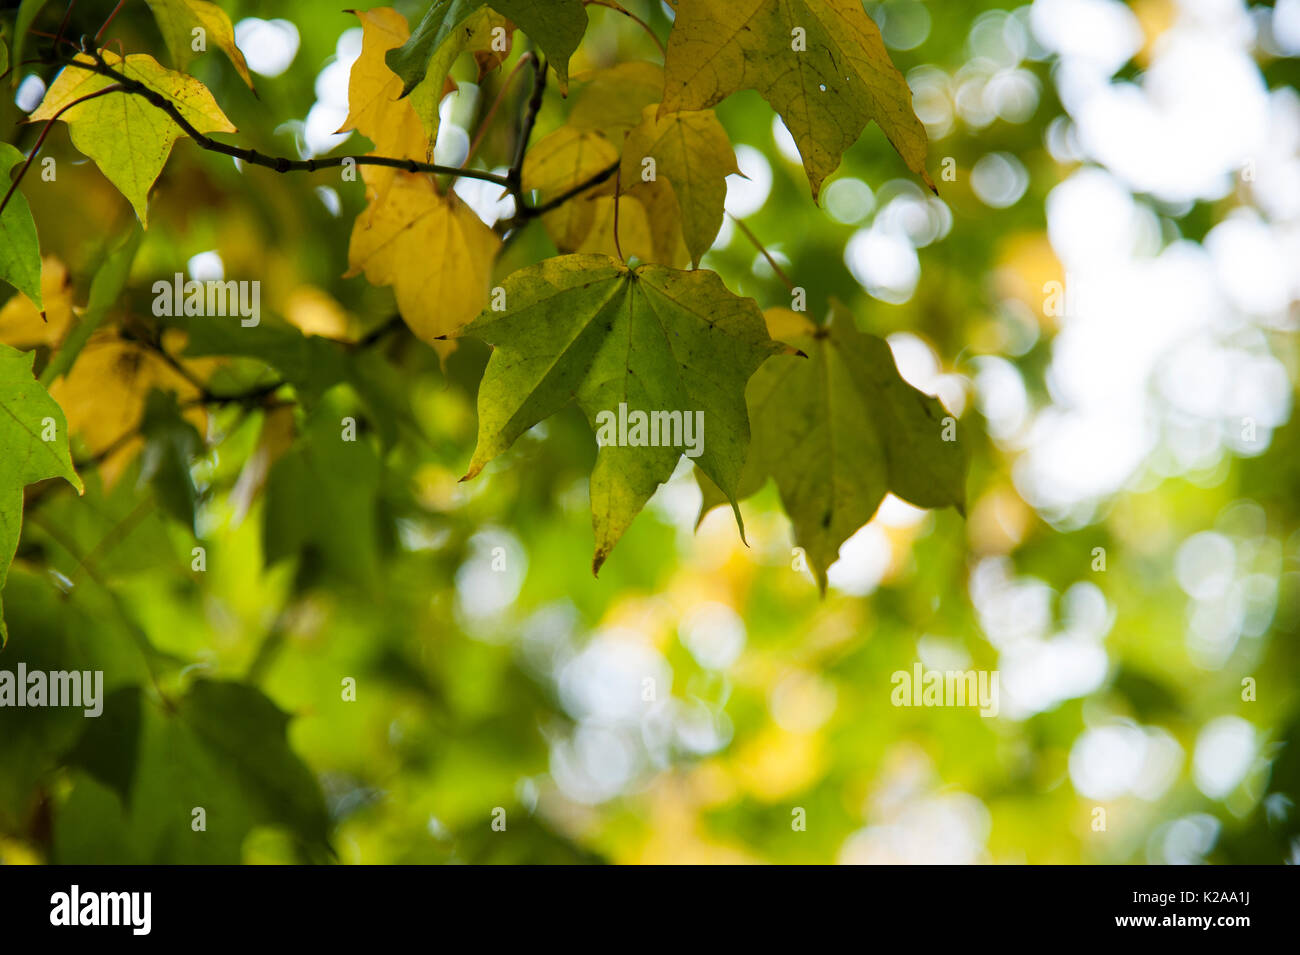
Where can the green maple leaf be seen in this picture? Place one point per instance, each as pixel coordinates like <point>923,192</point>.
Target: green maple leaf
<point>27,415</point>
<point>556,26</point>
<point>821,64</point>
<point>587,328</point>
<point>20,252</point>
<point>839,430</point>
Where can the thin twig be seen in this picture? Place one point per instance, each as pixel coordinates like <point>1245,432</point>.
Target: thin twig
<point>515,175</point>
<point>67,15</point>
<point>496,104</point>
<point>610,4</point>
<point>117,9</point>
<point>766,254</point>
<point>565,196</point>
<point>40,140</point>
<point>511,181</point>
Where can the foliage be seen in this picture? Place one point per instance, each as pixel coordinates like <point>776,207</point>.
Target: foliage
<point>313,628</point>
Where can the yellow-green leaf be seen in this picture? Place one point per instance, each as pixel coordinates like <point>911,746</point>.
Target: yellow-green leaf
<point>127,136</point>
<point>619,341</point>
<point>821,64</point>
<point>840,428</point>
<point>690,150</point>
<point>478,33</point>
<point>180,19</point>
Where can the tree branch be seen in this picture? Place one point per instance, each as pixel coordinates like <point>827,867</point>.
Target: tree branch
<point>515,175</point>
<point>281,164</point>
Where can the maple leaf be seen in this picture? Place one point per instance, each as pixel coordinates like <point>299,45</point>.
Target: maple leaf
<point>104,397</point>
<point>690,150</point>
<point>179,19</point>
<point>375,108</point>
<point>435,252</point>
<point>649,220</point>
<point>127,136</point>
<point>821,64</point>
<point>587,328</point>
<point>837,430</point>
<point>33,447</point>
<point>612,99</point>
<point>559,162</point>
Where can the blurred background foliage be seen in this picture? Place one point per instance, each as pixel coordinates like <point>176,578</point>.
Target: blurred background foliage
<point>1144,156</point>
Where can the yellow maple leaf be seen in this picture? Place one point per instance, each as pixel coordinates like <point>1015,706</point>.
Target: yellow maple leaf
<point>432,249</point>
<point>559,162</point>
<point>611,99</point>
<point>691,150</point>
<point>375,108</point>
<point>20,321</point>
<point>104,394</point>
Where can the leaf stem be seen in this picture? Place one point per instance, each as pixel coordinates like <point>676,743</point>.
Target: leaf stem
<point>117,9</point>
<point>766,254</point>
<point>618,176</point>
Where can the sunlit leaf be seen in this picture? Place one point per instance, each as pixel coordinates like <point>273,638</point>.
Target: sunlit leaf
<point>821,64</point>
<point>187,24</point>
<point>128,137</point>
<point>840,428</point>
<point>586,328</point>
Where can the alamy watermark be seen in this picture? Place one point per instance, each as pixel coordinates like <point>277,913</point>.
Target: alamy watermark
<point>210,299</point>
<point>74,907</point>
<point>924,687</point>
<point>84,688</point>
<point>652,429</point>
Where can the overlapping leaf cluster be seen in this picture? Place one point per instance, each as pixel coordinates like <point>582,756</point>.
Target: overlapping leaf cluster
<point>627,178</point>
<point>820,63</point>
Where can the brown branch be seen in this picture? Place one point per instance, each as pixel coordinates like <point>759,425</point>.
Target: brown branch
<point>281,164</point>
<point>515,175</point>
<point>512,180</point>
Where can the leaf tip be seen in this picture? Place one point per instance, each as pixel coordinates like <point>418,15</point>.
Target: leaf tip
<point>740,522</point>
